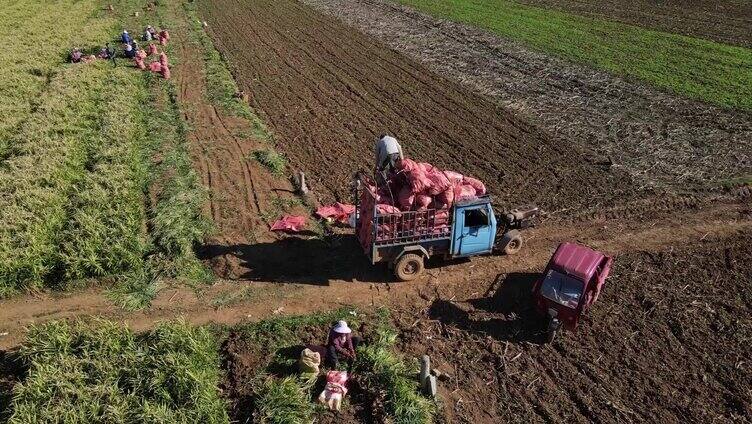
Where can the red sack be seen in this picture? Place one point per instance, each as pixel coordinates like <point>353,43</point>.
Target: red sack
<point>425,167</point>
<point>386,209</point>
<point>419,182</point>
<point>339,212</point>
<point>441,218</point>
<point>480,188</point>
<point>292,223</point>
<point>165,72</point>
<point>407,165</point>
<point>405,198</point>
<point>141,54</point>
<point>446,197</point>
<point>155,67</point>
<point>463,192</point>
<point>139,63</point>
<point>152,49</point>
<point>422,202</point>
<point>439,183</point>
<point>454,177</point>
<point>163,59</point>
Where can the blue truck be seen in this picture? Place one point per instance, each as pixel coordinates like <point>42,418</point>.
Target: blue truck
<point>406,239</point>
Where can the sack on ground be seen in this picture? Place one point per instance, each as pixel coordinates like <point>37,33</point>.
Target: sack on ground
<point>309,362</point>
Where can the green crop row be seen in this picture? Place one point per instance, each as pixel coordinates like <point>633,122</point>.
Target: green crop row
<point>39,180</point>
<point>101,372</point>
<point>384,372</point>
<point>74,183</point>
<point>692,67</point>
<point>105,234</point>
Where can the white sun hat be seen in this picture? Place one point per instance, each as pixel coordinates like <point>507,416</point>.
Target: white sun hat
<point>342,328</point>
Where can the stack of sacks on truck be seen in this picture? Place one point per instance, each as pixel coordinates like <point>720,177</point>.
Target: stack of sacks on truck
<point>415,187</point>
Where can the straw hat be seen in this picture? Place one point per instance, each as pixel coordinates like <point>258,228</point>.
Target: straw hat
<point>342,328</point>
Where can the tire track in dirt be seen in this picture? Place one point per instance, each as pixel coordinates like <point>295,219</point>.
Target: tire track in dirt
<point>241,190</point>
<point>327,91</point>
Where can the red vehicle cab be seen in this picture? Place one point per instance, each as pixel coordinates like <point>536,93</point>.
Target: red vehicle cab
<point>571,283</point>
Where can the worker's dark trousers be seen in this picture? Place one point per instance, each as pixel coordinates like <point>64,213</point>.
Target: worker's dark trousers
<point>332,358</point>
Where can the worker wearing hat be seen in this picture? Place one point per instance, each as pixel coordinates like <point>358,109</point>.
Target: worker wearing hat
<point>340,344</point>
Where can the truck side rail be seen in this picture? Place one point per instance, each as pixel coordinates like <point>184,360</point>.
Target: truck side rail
<point>412,226</point>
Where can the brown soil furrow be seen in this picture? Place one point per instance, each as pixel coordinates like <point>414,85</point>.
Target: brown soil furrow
<point>292,59</point>
<point>664,142</point>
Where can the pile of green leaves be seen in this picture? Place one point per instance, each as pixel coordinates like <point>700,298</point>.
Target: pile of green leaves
<point>101,372</point>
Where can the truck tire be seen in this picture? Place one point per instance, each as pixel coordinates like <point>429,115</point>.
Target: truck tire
<point>409,267</point>
<point>514,245</point>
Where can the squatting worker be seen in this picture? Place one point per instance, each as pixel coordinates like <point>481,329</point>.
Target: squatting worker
<point>340,346</point>
<point>388,153</point>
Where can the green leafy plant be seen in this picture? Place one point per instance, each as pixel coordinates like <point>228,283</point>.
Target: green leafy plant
<point>98,371</point>
<point>272,160</point>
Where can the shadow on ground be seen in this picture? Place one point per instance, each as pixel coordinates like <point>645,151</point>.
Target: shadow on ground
<point>12,371</point>
<point>316,261</point>
<point>506,313</point>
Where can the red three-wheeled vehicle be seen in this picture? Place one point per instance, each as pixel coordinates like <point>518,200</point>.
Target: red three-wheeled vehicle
<point>571,283</point>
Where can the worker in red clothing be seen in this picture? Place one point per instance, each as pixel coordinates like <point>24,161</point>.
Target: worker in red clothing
<point>341,344</point>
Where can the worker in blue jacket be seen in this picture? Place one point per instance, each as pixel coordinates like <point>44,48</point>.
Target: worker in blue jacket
<point>125,37</point>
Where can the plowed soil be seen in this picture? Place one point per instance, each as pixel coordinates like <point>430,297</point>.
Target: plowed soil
<point>328,91</point>
<point>662,140</point>
<point>667,342</point>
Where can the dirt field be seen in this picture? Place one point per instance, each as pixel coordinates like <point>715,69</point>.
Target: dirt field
<point>328,91</point>
<point>668,342</point>
<point>726,21</point>
<point>660,140</point>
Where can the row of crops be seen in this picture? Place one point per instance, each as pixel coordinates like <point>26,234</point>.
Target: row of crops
<point>82,196</point>
<point>98,371</point>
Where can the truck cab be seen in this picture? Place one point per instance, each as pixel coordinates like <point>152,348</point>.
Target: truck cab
<point>474,228</point>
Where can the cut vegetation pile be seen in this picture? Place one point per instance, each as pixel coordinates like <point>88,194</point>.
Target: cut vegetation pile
<point>99,371</point>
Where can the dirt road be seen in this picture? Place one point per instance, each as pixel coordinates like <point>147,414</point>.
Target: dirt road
<point>327,276</point>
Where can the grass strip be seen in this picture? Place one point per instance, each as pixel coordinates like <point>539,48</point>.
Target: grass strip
<point>99,371</point>
<point>221,86</point>
<point>284,401</point>
<point>696,68</point>
<point>272,160</point>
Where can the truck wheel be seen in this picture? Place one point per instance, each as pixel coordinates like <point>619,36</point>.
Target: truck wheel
<point>409,267</point>
<point>513,246</point>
